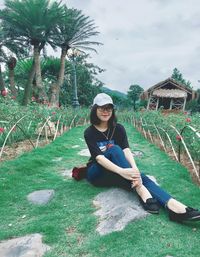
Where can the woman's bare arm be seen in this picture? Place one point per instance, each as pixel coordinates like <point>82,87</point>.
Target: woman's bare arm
<point>127,173</point>
<point>129,157</point>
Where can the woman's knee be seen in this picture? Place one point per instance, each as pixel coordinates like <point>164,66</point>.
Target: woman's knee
<point>114,149</point>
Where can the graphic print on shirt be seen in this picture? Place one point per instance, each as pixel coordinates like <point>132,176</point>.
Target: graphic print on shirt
<point>104,145</point>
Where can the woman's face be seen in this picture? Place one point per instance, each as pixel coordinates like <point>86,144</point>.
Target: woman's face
<point>104,112</point>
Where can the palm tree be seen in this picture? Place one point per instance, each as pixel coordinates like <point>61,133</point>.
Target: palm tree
<point>34,23</point>
<point>2,83</point>
<point>49,69</point>
<point>11,63</point>
<point>73,31</point>
<point>2,59</point>
<point>10,50</point>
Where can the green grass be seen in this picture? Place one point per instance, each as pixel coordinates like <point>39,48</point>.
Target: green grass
<point>67,223</point>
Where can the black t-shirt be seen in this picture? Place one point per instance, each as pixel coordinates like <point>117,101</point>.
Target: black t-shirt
<point>98,142</point>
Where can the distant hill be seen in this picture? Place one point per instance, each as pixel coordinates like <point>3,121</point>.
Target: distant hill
<point>114,92</point>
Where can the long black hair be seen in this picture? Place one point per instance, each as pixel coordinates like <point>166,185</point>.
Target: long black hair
<point>94,120</point>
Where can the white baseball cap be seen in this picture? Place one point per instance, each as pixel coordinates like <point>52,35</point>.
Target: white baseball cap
<point>102,99</point>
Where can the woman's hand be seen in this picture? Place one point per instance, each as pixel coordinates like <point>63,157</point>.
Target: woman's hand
<point>130,174</point>
<point>136,183</point>
<point>133,175</point>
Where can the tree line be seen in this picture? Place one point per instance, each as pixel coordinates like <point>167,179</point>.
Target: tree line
<point>27,28</point>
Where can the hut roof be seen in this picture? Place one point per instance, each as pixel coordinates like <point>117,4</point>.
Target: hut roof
<point>170,93</point>
<point>178,85</point>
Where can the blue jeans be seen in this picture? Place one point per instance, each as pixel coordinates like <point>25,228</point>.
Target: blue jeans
<point>99,176</point>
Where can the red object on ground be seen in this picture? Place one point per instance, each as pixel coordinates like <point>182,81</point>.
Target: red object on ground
<point>178,137</point>
<point>79,173</point>
<point>188,120</point>
<point>2,130</point>
<point>3,92</point>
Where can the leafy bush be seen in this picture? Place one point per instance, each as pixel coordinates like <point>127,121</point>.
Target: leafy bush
<point>34,115</point>
<point>182,122</point>
<point>193,106</point>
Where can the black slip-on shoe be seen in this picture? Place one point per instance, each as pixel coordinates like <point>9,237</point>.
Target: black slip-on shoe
<point>151,205</point>
<point>191,214</point>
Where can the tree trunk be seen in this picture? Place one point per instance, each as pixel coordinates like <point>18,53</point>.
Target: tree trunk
<point>12,82</point>
<point>134,105</point>
<point>38,77</point>
<point>11,63</point>
<point>54,101</point>
<point>28,86</point>
<point>2,83</point>
<point>55,89</point>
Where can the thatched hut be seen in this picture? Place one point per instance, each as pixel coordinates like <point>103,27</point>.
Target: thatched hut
<point>168,94</point>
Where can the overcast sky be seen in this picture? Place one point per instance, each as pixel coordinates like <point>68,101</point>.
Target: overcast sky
<point>144,40</point>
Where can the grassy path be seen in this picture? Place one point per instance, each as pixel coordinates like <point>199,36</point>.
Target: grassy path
<point>67,222</point>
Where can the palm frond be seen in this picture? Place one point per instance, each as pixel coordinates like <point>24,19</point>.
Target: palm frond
<point>75,29</point>
<point>33,20</point>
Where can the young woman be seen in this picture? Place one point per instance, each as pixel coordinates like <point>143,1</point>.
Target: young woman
<point>112,163</point>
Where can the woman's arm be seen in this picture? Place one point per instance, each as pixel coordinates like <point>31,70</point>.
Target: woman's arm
<point>129,157</point>
<point>127,173</point>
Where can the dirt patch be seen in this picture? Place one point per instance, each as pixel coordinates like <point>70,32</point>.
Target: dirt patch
<point>17,149</point>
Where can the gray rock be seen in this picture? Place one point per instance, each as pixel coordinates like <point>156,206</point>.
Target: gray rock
<point>137,153</point>
<point>117,208</point>
<point>66,173</point>
<point>75,146</point>
<point>84,152</point>
<point>57,159</point>
<point>27,246</point>
<point>41,197</point>
<point>153,179</point>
